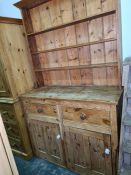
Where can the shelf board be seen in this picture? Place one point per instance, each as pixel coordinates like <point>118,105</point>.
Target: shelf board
<point>72,23</point>
<point>77,67</point>
<point>75,46</point>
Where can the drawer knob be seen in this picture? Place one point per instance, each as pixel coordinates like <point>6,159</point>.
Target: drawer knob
<point>107,151</point>
<point>40,110</point>
<point>83,116</point>
<point>58,137</point>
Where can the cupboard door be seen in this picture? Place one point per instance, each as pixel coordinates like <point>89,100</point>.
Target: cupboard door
<point>46,141</point>
<point>87,152</point>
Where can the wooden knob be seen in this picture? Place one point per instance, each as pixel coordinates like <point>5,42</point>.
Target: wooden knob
<point>40,110</point>
<point>83,116</point>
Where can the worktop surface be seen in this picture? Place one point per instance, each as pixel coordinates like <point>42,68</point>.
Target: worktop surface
<point>109,95</point>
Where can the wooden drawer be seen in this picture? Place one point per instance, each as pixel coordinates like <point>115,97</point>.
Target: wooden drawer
<point>85,115</point>
<point>16,144</point>
<point>44,109</point>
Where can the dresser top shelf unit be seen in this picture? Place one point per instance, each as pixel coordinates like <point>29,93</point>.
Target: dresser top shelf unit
<point>106,95</point>
<point>73,42</point>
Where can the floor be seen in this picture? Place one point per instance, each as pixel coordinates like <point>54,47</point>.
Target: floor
<point>126,172</point>
<point>38,166</point>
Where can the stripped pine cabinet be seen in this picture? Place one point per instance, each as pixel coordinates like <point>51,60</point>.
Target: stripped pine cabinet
<point>75,49</point>
<point>15,79</point>
<point>87,151</point>
<point>82,128</point>
<point>45,140</point>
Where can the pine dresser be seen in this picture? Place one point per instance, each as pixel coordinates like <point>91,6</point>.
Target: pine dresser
<point>73,117</point>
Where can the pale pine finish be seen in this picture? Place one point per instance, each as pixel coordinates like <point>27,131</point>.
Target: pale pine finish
<point>13,58</point>
<point>75,43</point>
<point>83,139</point>
<point>16,78</point>
<point>84,32</point>
<point>44,139</point>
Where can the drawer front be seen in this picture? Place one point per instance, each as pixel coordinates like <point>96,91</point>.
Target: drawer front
<point>16,144</point>
<point>91,116</point>
<point>44,109</point>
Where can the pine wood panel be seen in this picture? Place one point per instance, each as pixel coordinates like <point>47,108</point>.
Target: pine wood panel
<point>82,32</point>
<point>94,7</point>
<point>44,140</point>
<point>49,110</point>
<point>13,57</point>
<point>79,9</point>
<point>57,13</point>
<point>95,35</point>
<point>66,11</point>
<point>61,48</point>
<point>44,10</point>
<point>85,151</point>
<point>92,116</point>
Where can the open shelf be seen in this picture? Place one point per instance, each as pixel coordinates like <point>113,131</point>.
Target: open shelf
<point>72,23</point>
<point>78,67</point>
<point>74,46</point>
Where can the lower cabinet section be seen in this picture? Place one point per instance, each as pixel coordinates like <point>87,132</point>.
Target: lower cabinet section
<point>46,140</point>
<point>13,118</point>
<point>87,151</point>
<point>82,151</point>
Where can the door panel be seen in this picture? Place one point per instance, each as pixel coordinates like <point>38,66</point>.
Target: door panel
<point>45,140</point>
<point>85,151</point>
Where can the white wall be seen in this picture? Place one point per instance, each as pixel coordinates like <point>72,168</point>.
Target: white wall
<point>8,10</point>
<point>126,27</point>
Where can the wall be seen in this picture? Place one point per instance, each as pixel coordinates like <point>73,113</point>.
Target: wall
<point>126,31</point>
<point>7,9</point>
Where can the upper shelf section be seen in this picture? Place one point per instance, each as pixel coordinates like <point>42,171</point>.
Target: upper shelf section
<point>55,14</point>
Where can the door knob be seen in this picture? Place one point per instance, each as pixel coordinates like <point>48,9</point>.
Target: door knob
<point>107,151</point>
<point>83,116</point>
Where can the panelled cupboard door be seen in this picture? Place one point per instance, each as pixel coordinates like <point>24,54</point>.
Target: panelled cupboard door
<point>87,153</point>
<point>46,141</point>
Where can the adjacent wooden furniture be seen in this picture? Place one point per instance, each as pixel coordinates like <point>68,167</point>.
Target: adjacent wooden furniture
<point>15,70</point>
<point>125,139</point>
<point>7,163</point>
<point>16,78</point>
<point>75,48</point>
